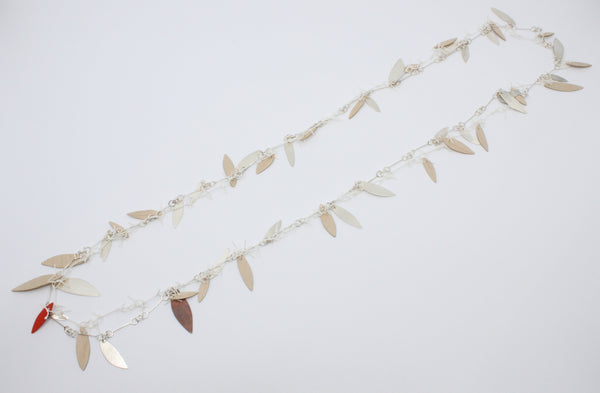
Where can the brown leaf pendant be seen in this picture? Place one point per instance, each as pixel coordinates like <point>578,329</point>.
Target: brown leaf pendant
<point>183,313</point>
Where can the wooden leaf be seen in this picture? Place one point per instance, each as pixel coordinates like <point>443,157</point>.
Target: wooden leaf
<point>558,49</point>
<point>357,107</point>
<point>228,166</point>
<point>112,355</point>
<point>142,214</point>
<point>497,31</point>
<point>430,169</point>
<point>346,216</point>
<point>42,317</point>
<point>464,51</point>
<point>245,272</point>
<point>37,282</point>
<point>504,17</point>
<point>203,289</point>
<point>183,313</point>
<point>396,73</point>
<point>63,260</point>
<point>562,86</point>
<point>557,78</point>
<point>521,99</point>
<point>77,286</point>
<point>457,146</point>
<point>481,137</point>
<point>273,229</point>
<point>264,164</point>
<point>512,102</point>
<point>105,249</point>
<point>289,153</point>
<point>372,104</point>
<point>184,295</point>
<point>82,349</point>
<point>493,37</point>
<point>445,44</point>
<point>249,160</point>
<point>578,64</point>
<point>177,213</point>
<point>376,189</point>
<point>328,223</point>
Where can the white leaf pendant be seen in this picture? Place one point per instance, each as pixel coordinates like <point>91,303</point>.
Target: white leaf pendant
<point>465,53</point>
<point>510,21</point>
<point>203,289</point>
<point>371,102</point>
<point>177,213</point>
<point>77,286</point>
<point>469,137</point>
<point>376,189</point>
<point>430,169</point>
<point>481,137</point>
<point>445,44</point>
<point>273,230</point>
<point>289,153</point>
<point>497,31</point>
<point>457,146</point>
<point>493,37</point>
<point>512,101</point>
<point>328,223</point>
<point>396,73</point>
<point>112,355</point>
<point>105,249</point>
<point>37,282</point>
<point>248,160</point>
<point>558,49</point>
<point>82,349</point>
<point>346,216</point>
<point>245,272</point>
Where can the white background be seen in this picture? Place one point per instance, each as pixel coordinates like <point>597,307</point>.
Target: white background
<point>485,282</point>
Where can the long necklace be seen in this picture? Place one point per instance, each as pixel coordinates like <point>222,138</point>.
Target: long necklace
<point>456,138</point>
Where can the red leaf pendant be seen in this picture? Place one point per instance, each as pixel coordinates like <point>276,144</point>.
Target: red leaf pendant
<point>42,316</point>
<point>183,313</point>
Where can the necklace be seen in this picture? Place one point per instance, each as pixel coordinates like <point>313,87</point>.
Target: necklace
<point>470,130</point>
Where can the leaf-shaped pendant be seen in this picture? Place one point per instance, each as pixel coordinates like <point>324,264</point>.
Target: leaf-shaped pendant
<point>512,102</point>
<point>504,17</point>
<point>63,260</point>
<point>493,37</point>
<point>558,49</point>
<point>112,355</point>
<point>183,313</point>
<point>249,160</point>
<point>82,349</point>
<point>396,73</point>
<point>481,137</point>
<point>77,286</point>
<point>457,146</point>
<point>203,289</point>
<point>289,153</point>
<point>184,295</point>
<point>228,167</point>
<point>142,214</point>
<point>265,163</point>
<point>245,272</point>
<point>464,51</point>
<point>562,86</point>
<point>578,64</point>
<point>118,228</point>
<point>346,216</point>
<point>469,137</point>
<point>371,102</point>
<point>328,223</point>
<point>273,230</point>
<point>430,169</point>
<point>557,78</point>
<point>445,44</point>
<point>105,249</point>
<point>376,189</point>
<point>177,213</point>
<point>42,317</point>
<point>497,31</point>
<point>357,107</point>
<point>37,282</point>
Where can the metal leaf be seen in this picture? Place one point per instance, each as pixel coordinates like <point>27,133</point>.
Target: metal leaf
<point>578,64</point>
<point>112,355</point>
<point>481,137</point>
<point>105,249</point>
<point>63,260</point>
<point>177,213</point>
<point>42,317</point>
<point>142,214</point>
<point>82,349</point>
<point>430,169</point>
<point>441,133</point>
<point>562,86</point>
<point>469,137</point>
<point>37,282</point>
<point>521,99</point>
<point>512,102</point>
<point>228,167</point>
<point>183,313</point>
<point>289,152</point>
<point>397,72</point>
<point>116,227</point>
<point>245,272</point>
<point>203,289</point>
<point>376,189</point>
<point>445,44</point>
<point>372,104</point>
<point>77,286</point>
<point>557,78</point>
<point>464,51</point>
<point>457,146</point>
<point>504,17</point>
<point>346,216</point>
<point>558,49</point>
<point>497,31</point>
<point>328,223</point>
<point>184,295</point>
<point>265,163</point>
<point>357,107</point>
<point>493,37</point>
<point>249,160</point>
<point>273,230</point>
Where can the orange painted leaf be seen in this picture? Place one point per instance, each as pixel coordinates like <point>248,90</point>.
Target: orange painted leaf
<point>42,317</point>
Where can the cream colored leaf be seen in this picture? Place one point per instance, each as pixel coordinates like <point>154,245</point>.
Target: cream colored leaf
<point>105,249</point>
<point>112,355</point>
<point>37,282</point>
<point>457,146</point>
<point>142,214</point>
<point>469,137</point>
<point>481,137</point>
<point>578,64</point>
<point>63,260</point>
<point>521,99</point>
<point>372,104</point>
<point>77,286</point>
<point>558,49</point>
<point>222,257</point>
<point>273,230</point>
<point>203,289</point>
<point>512,102</point>
<point>547,34</point>
<point>562,86</point>
<point>184,295</point>
<point>504,17</point>
<point>177,213</point>
<point>82,349</point>
<point>493,37</point>
<point>249,160</point>
<point>228,166</point>
<point>397,72</point>
<point>441,133</point>
<point>289,153</point>
<point>464,51</point>
<point>557,78</point>
<point>430,169</point>
<point>497,31</point>
<point>376,189</point>
<point>264,164</point>
<point>116,227</point>
<point>357,107</point>
<point>346,216</point>
<point>245,272</point>
<point>445,44</point>
<point>328,223</point>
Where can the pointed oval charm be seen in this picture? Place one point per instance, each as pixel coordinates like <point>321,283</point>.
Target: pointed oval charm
<point>77,286</point>
<point>245,272</point>
<point>371,102</point>
<point>512,102</point>
<point>396,73</point>
<point>465,53</point>
<point>481,137</point>
<point>562,86</point>
<point>265,163</point>
<point>497,31</point>
<point>142,214</point>
<point>430,169</point>
<point>177,213</point>
<point>82,349</point>
<point>557,78</point>
<point>42,317</point>
<point>445,44</point>
<point>328,223</point>
<point>357,107</point>
<point>183,313</point>
<point>249,160</point>
<point>228,166</point>
<point>184,295</point>
<point>346,216</point>
<point>37,282</point>
<point>504,17</point>
<point>63,260</point>
<point>457,146</point>
<point>105,249</point>
<point>521,99</point>
<point>493,37</point>
<point>203,289</point>
<point>273,230</point>
<point>118,228</point>
<point>558,49</point>
<point>578,64</point>
<point>469,137</point>
<point>112,355</point>
<point>376,189</point>
<point>289,153</point>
